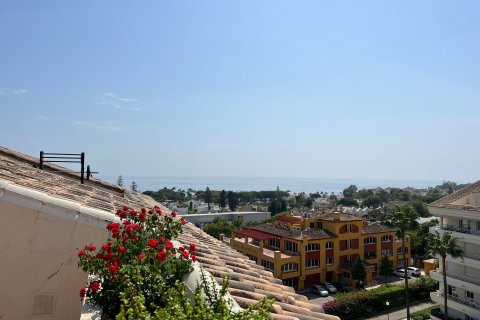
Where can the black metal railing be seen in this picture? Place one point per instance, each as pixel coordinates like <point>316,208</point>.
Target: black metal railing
<point>67,158</point>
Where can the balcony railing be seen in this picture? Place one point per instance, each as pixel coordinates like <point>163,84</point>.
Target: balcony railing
<point>461,277</point>
<point>467,302</point>
<point>471,256</point>
<point>448,227</point>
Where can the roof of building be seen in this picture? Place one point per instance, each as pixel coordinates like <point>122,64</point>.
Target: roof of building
<point>254,234</point>
<point>331,216</point>
<point>248,282</point>
<point>377,228</point>
<point>451,201</point>
<point>293,233</point>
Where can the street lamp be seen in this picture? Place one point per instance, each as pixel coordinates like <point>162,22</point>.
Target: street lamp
<point>388,312</point>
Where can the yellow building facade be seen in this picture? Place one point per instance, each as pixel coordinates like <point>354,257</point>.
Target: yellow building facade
<point>322,247</point>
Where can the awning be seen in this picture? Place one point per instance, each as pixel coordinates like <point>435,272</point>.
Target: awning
<point>254,234</point>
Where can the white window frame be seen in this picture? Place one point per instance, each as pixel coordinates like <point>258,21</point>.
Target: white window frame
<point>329,245</point>
<point>312,247</point>
<point>370,240</point>
<point>291,246</point>
<point>329,261</point>
<point>289,267</point>
<point>314,263</point>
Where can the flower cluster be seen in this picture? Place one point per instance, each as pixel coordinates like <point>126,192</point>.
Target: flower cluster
<point>142,240</point>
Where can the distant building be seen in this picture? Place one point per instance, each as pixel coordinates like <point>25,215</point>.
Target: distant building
<point>200,219</point>
<point>459,213</point>
<point>307,249</point>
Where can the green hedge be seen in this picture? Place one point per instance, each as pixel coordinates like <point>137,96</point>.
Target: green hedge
<point>357,304</point>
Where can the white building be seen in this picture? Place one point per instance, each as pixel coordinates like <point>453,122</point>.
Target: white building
<point>459,213</point>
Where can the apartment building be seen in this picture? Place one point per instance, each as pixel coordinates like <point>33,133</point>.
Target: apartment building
<point>459,213</point>
<point>316,247</point>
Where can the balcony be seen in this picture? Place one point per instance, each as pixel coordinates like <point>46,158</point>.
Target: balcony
<point>466,306</point>
<point>458,280</point>
<point>463,233</point>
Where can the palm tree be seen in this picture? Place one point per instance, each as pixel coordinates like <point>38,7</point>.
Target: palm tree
<point>404,218</point>
<point>444,245</point>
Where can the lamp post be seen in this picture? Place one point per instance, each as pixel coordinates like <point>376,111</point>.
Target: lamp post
<point>388,312</point>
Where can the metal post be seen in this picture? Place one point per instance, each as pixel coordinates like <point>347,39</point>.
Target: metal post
<point>82,170</point>
<point>41,160</point>
<point>88,172</point>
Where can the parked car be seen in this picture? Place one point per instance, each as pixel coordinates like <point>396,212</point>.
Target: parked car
<point>320,290</point>
<point>414,272</point>
<point>342,287</point>
<point>401,273</point>
<point>330,287</point>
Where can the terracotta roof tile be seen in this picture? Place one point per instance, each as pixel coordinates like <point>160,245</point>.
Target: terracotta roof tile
<point>249,282</point>
<point>292,233</point>
<point>448,201</point>
<point>376,228</point>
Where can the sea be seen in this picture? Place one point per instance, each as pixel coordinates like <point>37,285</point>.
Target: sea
<point>293,185</point>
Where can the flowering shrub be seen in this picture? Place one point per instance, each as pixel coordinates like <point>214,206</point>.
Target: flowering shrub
<point>139,250</point>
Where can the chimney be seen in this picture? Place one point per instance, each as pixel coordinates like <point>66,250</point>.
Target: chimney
<point>336,216</point>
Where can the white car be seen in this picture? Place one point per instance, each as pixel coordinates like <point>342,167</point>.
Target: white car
<point>414,272</point>
<point>320,290</point>
<point>401,273</point>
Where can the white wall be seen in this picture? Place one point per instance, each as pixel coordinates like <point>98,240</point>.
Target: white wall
<point>38,255</point>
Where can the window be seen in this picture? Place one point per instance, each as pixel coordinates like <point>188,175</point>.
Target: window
<point>329,245</point>
<point>386,252</point>
<point>253,258</point>
<point>400,263</point>
<point>312,225</point>
<point>319,225</point>
<point>400,250</point>
<point>478,225</point>
<point>290,267</point>
<point>291,246</point>
<point>312,247</point>
<point>386,238</point>
<point>275,243</point>
<point>268,265</point>
<point>369,240</point>
<point>329,261</point>
<point>312,263</point>
<point>469,295</point>
<point>292,282</point>
<point>370,254</point>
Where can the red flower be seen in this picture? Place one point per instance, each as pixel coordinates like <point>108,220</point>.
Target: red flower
<point>150,211</point>
<point>169,245</point>
<point>92,247</point>
<point>113,268</point>
<point>194,257</point>
<point>81,253</point>
<point>185,255</point>
<point>122,249</point>
<point>162,239</point>
<point>95,286</point>
<point>144,210</point>
<point>107,246</point>
<point>126,222</point>
<point>119,211</point>
<point>142,216</point>
<point>161,256</point>
<point>174,214</point>
<point>83,292</point>
<point>125,208</point>
<point>152,243</point>
<point>113,225</point>
<point>100,256</point>
<point>158,211</point>
<point>192,248</point>
<point>133,213</point>
<point>108,256</point>
<point>141,256</point>
<point>183,220</point>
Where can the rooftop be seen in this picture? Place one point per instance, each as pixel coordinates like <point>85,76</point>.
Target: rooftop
<point>292,233</point>
<point>248,282</point>
<point>451,201</point>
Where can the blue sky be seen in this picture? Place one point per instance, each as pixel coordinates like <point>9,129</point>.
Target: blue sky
<point>333,89</point>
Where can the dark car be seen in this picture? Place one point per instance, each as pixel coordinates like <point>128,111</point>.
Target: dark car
<point>342,287</point>
<point>320,290</point>
<point>330,287</point>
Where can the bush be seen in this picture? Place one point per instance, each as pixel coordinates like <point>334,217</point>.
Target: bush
<point>353,305</point>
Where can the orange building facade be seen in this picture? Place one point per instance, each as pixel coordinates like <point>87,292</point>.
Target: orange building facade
<point>319,247</point>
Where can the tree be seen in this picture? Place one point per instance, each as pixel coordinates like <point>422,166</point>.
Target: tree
<point>372,202</point>
<point>232,201</point>
<point>444,245</point>
<point>120,181</point>
<point>283,206</point>
<point>134,186</point>
<point>350,192</point>
<point>223,199</point>
<point>404,218</point>
<point>358,270</point>
<point>420,207</point>
<point>386,268</point>
<point>208,197</point>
